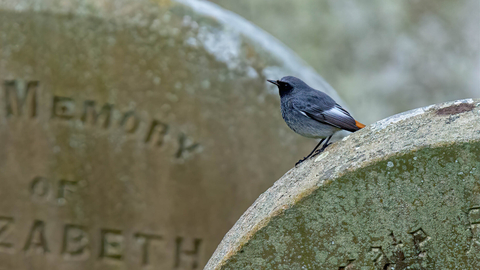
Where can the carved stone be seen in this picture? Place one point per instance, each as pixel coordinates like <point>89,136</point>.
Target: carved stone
<point>134,133</point>
<point>403,193</point>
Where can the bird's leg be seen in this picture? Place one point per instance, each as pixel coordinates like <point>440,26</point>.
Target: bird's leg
<point>309,155</point>
<point>323,147</point>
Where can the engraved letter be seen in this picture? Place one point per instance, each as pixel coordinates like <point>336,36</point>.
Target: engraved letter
<point>130,122</point>
<point>157,132</point>
<point>36,238</point>
<point>474,215</point>
<point>474,219</point>
<point>6,227</point>
<point>65,188</point>
<point>348,266</point>
<point>75,243</point>
<point>20,95</point>
<point>183,147</point>
<point>112,244</point>
<point>419,240</point>
<point>63,107</point>
<point>145,240</point>
<point>378,257</point>
<point>91,116</point>
<point>192,255</point>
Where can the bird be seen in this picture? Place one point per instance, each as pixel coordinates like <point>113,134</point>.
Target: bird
<point>312,113</point>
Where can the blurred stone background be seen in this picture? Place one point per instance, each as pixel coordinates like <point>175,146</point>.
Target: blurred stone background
<point>382,57</point>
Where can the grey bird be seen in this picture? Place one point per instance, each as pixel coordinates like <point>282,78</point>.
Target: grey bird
<point>312,113</point>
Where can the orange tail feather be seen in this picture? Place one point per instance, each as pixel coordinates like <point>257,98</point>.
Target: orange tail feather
<point>358,124</point>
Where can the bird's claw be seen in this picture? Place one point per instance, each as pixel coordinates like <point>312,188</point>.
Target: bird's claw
<point>300,161</point>
<point>318,152</point>
<point>321,149</point>
<point>313,154</point>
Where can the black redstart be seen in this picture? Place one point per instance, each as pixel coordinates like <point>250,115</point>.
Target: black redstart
<point>312,113</point>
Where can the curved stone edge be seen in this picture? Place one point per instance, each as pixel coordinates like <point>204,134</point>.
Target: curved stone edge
<point>413,129</point>
<point>291,60</point>
<point>133,10</point>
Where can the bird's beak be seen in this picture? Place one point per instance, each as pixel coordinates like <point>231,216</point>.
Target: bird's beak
<point>273,82</point>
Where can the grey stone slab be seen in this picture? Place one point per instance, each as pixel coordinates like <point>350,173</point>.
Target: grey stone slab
<point>133,134</point>
<point>403,193</point>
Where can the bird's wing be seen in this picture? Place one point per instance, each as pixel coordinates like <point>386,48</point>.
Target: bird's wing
<point>326,112</point>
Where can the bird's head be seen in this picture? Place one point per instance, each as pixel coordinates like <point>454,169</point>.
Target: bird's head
<point>287,84</point>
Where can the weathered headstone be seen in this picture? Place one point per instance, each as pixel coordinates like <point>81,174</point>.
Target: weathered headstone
<point>134,133</point>
<point>403,193</point>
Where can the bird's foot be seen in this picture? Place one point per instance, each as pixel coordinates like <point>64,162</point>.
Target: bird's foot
<point>320,150</point>
<point>314,153</point>
<point>300,161</point>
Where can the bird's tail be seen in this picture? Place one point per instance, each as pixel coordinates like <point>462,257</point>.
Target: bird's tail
<point>359,125</point>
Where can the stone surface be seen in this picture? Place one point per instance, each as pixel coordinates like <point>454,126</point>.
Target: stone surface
<point>133,134</point>
<point>383,57</point>
<point>403,193</point>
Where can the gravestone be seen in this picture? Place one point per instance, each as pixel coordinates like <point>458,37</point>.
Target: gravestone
<point>133,134</point>
<point>403,193</point>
